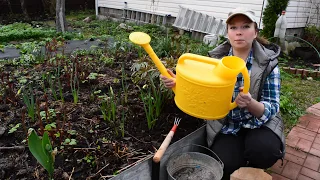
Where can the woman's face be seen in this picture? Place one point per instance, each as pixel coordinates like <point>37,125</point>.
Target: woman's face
<point>241,32</point>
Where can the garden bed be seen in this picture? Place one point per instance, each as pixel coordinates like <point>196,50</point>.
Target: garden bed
<point>89,144</point>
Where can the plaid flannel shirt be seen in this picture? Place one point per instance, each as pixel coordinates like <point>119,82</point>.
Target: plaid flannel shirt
<point>270,97</point>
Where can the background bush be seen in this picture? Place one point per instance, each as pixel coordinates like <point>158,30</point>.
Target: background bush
<point>312,34</point>
<point>270,16</point>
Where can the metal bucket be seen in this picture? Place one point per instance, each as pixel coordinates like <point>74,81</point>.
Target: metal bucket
<point>194,162</point>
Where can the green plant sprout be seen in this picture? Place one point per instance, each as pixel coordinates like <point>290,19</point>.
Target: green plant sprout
<point>52,86</point>
<point>148,104</point>
<point>74,84</point>
<point>50,126</point>
<point>109,106</point>
<point>93,76</point>
<point>121,126</point>
<point>42,150</point>
<point>106,113</point>
<point>70,142</point>
<point>29,100</point>
<point>90,160</point>
<point>51,114</point>
<point>57,74</point>
<point>158,98</point>
<point>72,132</point>
<point>153,102</point>
<point>14,128</point>
<point>125,86</point>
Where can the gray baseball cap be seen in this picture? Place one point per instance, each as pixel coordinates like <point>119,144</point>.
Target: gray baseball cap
<point>242,11</point>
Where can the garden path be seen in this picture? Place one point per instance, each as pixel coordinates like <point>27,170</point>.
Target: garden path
<point>302,159</point>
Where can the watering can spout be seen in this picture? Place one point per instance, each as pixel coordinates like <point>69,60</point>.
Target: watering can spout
<point>143,40</point>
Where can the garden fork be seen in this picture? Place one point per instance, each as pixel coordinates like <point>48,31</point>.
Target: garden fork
<point>166,142</point>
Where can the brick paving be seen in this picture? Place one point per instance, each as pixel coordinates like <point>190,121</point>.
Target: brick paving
<point>302,159</point>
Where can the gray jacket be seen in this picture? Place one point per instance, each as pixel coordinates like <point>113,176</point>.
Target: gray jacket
<point>265,60</point>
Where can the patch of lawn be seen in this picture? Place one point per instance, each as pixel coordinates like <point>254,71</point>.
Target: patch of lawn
<point>296,96</point>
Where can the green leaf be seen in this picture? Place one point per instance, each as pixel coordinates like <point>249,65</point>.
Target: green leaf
<point>67,141</point>
<point>23,80</point>
<point>53,125</point>
<point>93,76</point>
<point>48,127</point>
<point>97,92</point>
<point>57,134</point>
<point>73,142</point>
<point>72,132</point>
<point>41,150</point>
<point>15,128</point>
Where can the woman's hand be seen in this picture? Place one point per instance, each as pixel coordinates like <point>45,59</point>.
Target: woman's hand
<point>168,82</point>
<point>246,101</point>
<point>243,100</point>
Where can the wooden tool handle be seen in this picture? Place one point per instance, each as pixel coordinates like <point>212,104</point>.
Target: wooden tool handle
<point>163,147</point>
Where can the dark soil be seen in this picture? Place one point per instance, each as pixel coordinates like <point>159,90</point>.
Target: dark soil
<point>100,149</point>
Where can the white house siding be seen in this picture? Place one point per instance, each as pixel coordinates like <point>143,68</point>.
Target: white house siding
<point>299,14</point>
<point>315,13</point>
<point>217,8</point>
<point>298,11</point>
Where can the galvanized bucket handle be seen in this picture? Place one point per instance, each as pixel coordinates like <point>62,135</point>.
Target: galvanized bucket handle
<point>216,156</point>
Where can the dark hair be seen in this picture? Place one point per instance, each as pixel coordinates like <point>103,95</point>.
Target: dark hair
<point>262,40</point>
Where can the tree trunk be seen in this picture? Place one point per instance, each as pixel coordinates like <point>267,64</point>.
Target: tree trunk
<point>60,16</point>
<point>24,9</point>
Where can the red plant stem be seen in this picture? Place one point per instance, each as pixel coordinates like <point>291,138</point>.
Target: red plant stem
<point>57,122</point>
<point>11,92</point>
<point>63,123</point>
<point>78,68</point>
<point>58,126</point>
<point>68,78</point>
<point>53,136</point>
<point>40,120</point>
<point>23,121</point>
<point>46,107</point>
<point>69,124</point>
<point>10,84</point>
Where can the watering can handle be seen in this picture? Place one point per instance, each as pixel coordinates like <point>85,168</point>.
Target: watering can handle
<point>246,77</point>
<point>198,58</point>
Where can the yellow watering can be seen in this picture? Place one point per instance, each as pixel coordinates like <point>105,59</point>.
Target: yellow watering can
<point>204,85</point>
